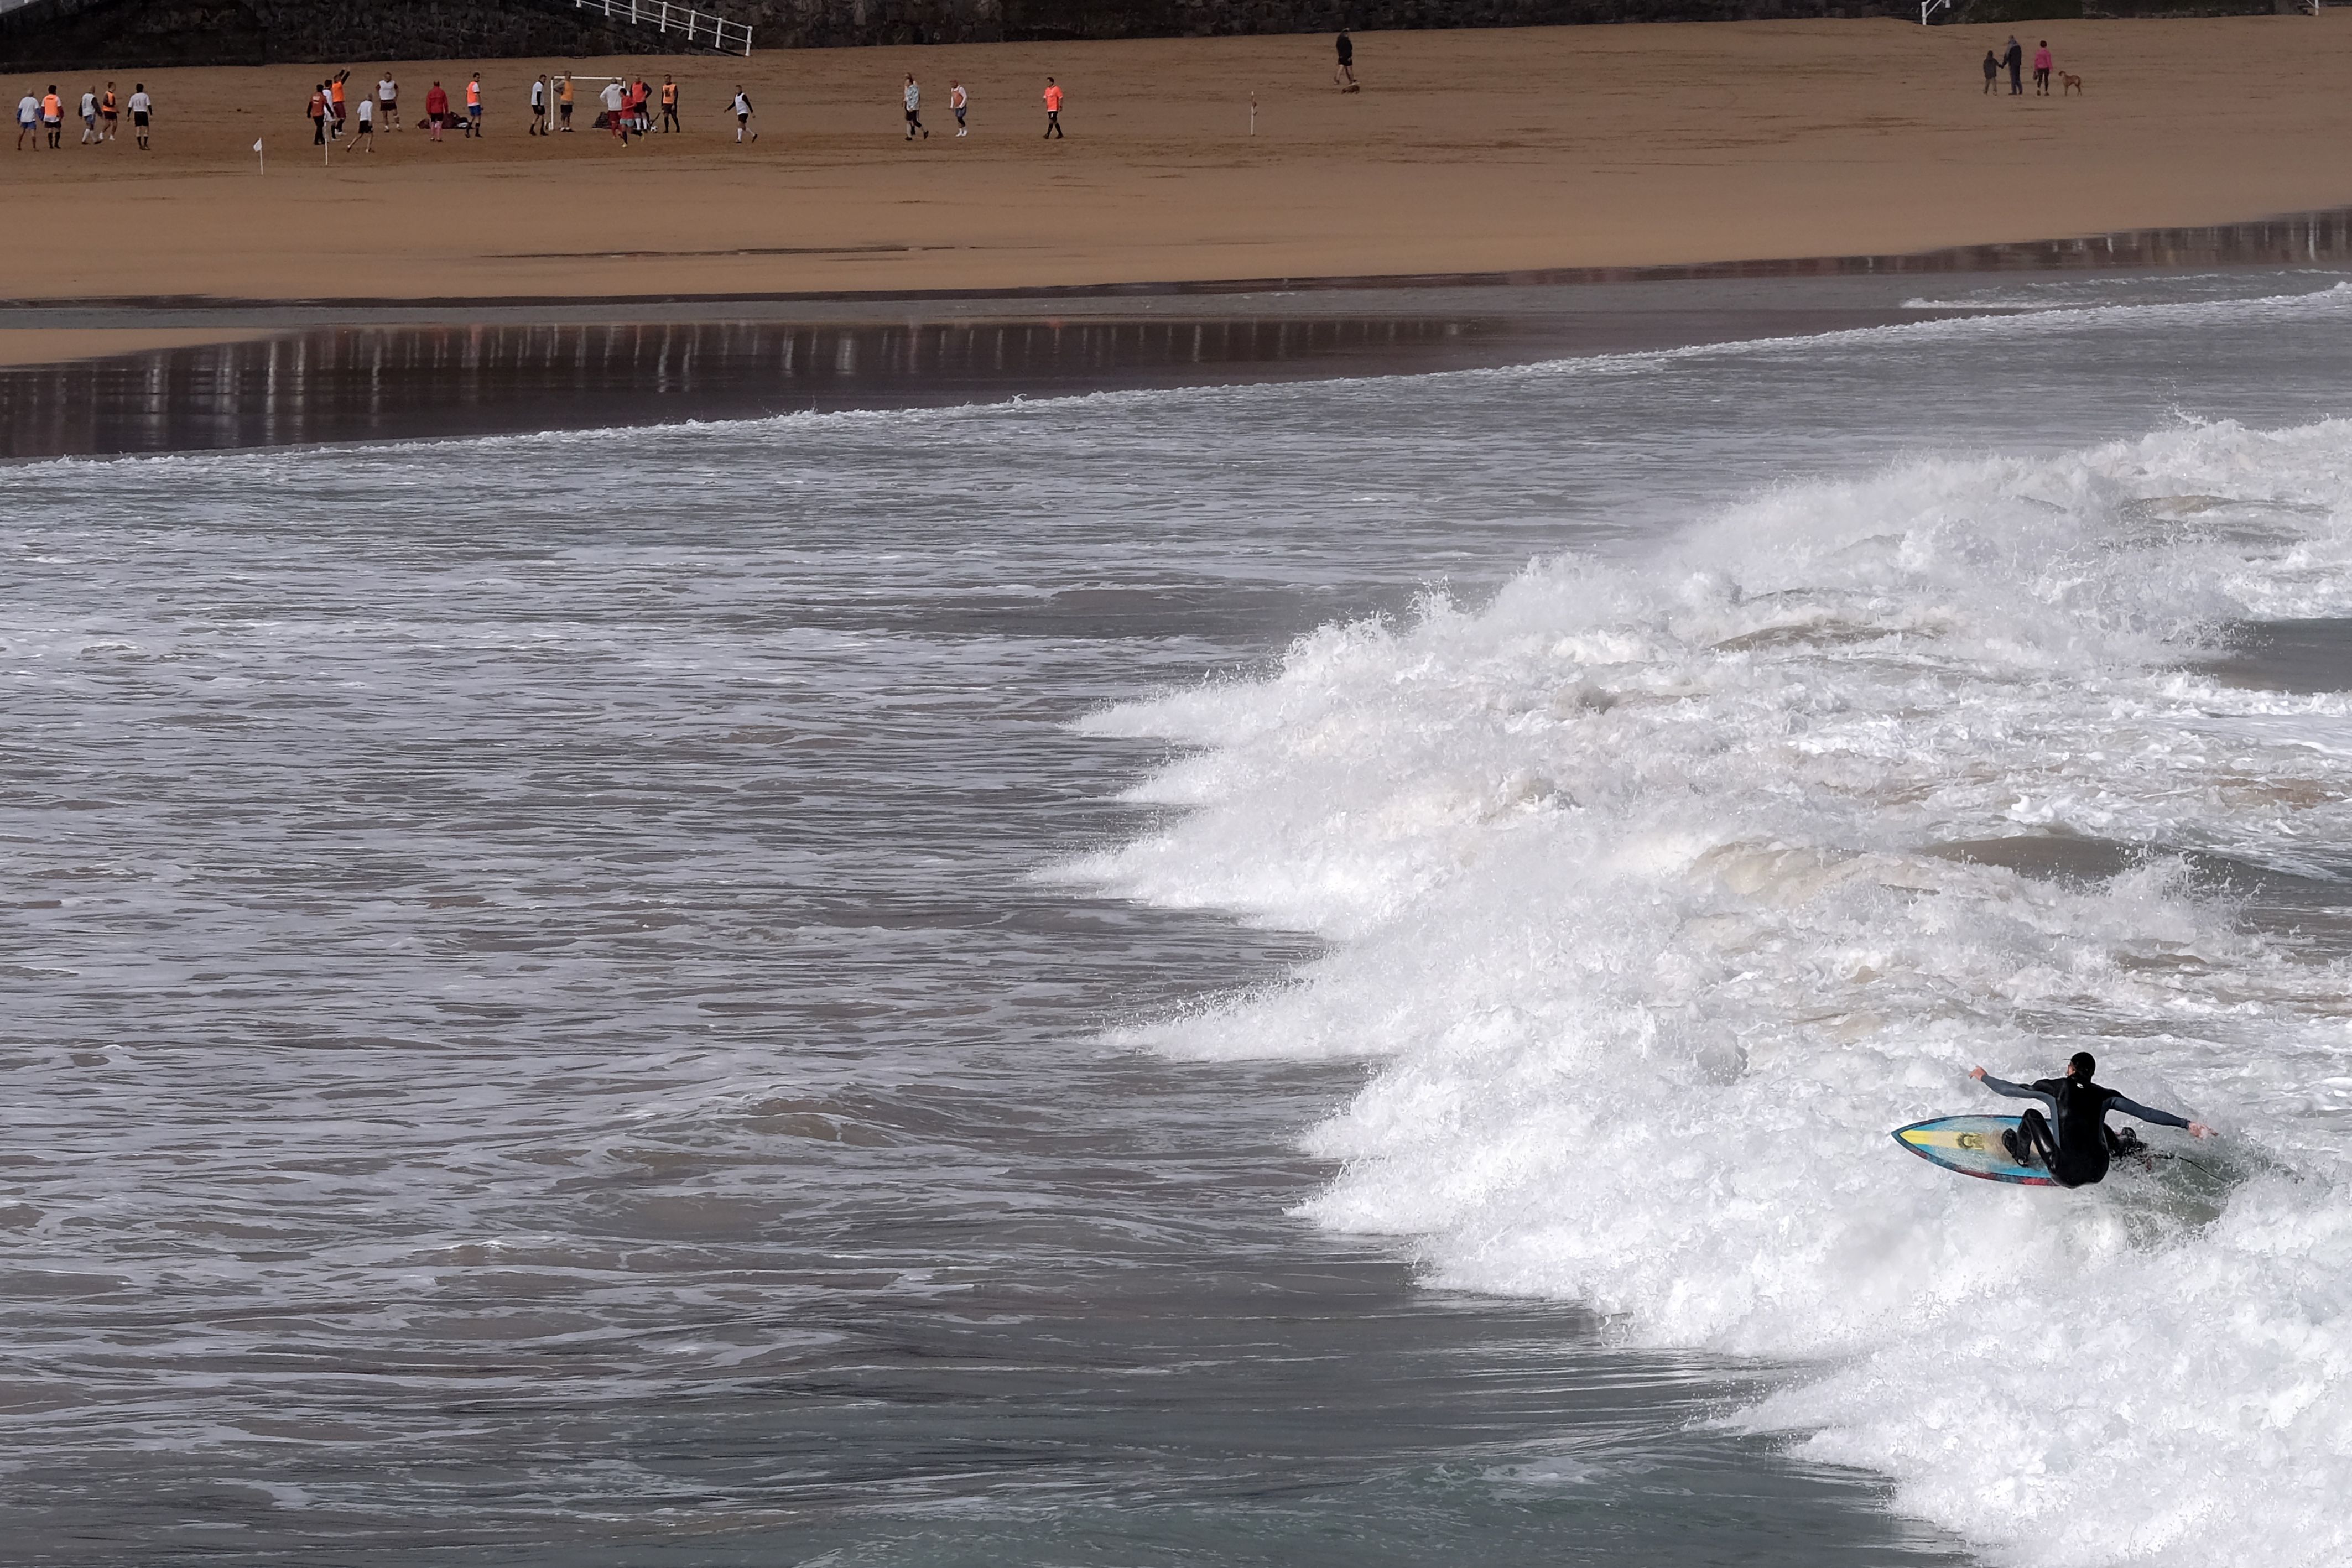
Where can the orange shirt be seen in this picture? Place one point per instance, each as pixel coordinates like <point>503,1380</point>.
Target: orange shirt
<point>1054,99</point>
<point>51,107</point>
<point>669,95</point>
<point>317,106</point>
<point>335,91</point>
<point>473,94</point>
<point>106,102</point>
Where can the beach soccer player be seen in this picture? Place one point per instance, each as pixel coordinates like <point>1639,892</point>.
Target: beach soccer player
<point>474,104</point>
<point>53,118</point>
<point>959,100</point>
<point>615,100</point>
<point>365,136</point>
<point>743,114</point>
<point>669,106</point>
<point>109,114</point>
<point>142,108</point>
<point>387,103</point>
<point>537,107</point>
<point>1344,73</point>
<point>319,115</point>
<point>564,103</point>
<point>28,120</point>
<point>335,103</point>
<point>2073,1143</point>
<point>90,117</point>
<point>436,108</point>
<point>1053,110</point>
<point>914,96</point>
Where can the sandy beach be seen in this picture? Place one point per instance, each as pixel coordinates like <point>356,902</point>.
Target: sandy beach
<point>1466,150</point>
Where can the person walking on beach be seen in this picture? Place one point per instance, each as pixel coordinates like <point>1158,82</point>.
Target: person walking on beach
<point>365,136</point>
<point>90,117</point>
<point>53,118</point>
<point>319,115</point>
<point>109,114</point>
<point>474,104</point>
<point>1345,73</point>
<point>387,101</point>
<point>914,96</point>
<point>1991,69</point>
<point>436,108</point>
<point>743,115</point>
<point>563,104</point>
<point>537,107</point>
<point>28,120</point>
<point>2014,59</point>
<point>1053,110</point>
<point>141,105</point>
<point>958,100</point>
<point>2042,69</point>
<point>669,105</point>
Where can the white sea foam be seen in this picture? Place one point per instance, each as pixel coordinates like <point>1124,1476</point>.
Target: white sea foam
<point>1642,897</point>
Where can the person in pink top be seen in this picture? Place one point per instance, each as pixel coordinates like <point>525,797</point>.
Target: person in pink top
<point>2041,70</point>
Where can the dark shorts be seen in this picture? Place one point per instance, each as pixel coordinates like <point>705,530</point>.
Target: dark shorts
<point>138,118</point>
<point>367,127</point>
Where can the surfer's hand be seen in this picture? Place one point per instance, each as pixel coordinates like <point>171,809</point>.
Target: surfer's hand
<point>1977,1072</point>
<point>2200,1129</point>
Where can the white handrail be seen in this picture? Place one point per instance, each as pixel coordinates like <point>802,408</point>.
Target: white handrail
<point>1929,7</point>
<point>728,37</point>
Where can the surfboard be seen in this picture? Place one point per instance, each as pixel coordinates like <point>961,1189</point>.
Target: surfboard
<point>1970,1145</point>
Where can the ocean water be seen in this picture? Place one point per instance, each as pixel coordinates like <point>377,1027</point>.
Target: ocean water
<point>1291,974</point>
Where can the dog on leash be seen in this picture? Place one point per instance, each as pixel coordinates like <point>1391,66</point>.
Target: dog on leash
<point>2068,82</point>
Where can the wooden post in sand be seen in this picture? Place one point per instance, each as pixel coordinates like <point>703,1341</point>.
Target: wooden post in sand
<point>1253,114</point>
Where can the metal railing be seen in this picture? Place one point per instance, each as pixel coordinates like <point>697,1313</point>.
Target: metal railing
<point>700,26</point>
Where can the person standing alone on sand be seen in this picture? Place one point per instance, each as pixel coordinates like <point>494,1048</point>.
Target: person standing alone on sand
<point>2014,59</point>
<point>387,103</point>
<point>959,100</point>
<point>914,96</point>
<point>2042,69</point>
<point>1053,110</point>
<point>1345,74</point>
<point>141,105</point>
<point>436,108</point>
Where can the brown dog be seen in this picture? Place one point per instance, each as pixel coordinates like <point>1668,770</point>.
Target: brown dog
<point>2068,82</point>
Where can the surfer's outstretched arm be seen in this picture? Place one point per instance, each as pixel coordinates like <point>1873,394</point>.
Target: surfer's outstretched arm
<point>2161,1118</point>
<point>2014,1091</point>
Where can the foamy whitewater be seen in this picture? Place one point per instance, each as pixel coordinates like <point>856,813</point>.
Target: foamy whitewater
<point>674,997</point>
<point>1653,899</point>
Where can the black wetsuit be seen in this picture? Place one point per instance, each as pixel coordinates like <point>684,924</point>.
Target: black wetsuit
<point>2077,1150</point>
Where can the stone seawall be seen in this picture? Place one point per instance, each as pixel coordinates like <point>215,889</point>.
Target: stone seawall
<point>127,34</point>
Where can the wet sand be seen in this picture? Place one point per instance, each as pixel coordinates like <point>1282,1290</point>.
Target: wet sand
<point>1468,152</point>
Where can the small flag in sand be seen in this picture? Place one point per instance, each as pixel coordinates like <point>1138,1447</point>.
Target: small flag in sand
<point>258,156</point>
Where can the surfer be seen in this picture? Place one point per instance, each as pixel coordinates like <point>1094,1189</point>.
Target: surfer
<point>2076,1150</point>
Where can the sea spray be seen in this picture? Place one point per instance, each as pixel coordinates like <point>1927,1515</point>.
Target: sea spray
<point>1661,888</point>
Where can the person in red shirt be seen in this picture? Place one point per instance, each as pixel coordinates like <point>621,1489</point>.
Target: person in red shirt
<point>1053,110</point>
<point>319,115</point>
<point>437,110</point>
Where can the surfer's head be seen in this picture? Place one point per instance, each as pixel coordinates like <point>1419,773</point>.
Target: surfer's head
<point>2082,1064</point>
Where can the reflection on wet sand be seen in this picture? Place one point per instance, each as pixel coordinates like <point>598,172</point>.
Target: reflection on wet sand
<point>388,382</point>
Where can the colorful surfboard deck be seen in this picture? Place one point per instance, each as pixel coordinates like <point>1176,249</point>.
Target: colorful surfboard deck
<point>1970,1145</point>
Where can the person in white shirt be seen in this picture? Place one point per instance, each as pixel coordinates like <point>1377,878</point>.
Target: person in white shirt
<point>28,122</point>
<point>914,96</point>
<point>365,136</point>
<point>141,105</point>
<point>387,103</point>
<point>613,96</point>
<point>90,117</point>
<point>538,106</point>
<point>959,100</point>
<point>743,114</point>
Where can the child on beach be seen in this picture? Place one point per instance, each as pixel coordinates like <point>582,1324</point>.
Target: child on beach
<point>141,105</point>
<point>959,100</point>
<point>1053,110</point>
<point>914,96</point>
<point>387,101</point>
<point>1991,69</point>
